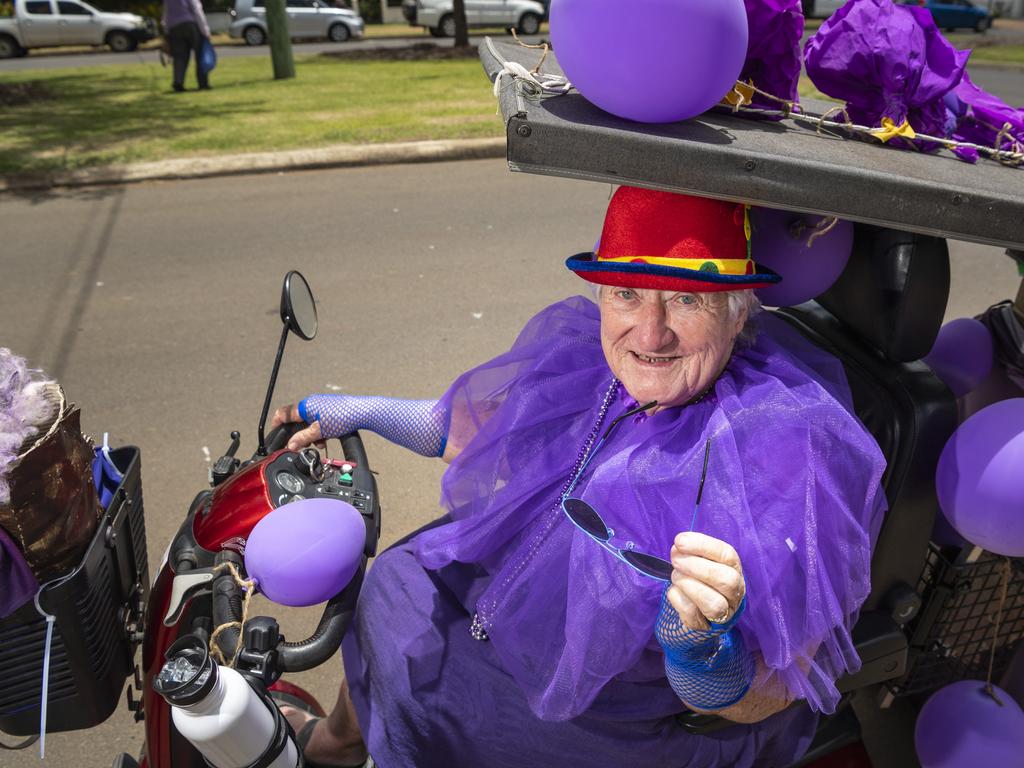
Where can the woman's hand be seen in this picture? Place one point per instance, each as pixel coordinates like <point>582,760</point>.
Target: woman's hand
<point>289,414</point>
<point>707,580</point>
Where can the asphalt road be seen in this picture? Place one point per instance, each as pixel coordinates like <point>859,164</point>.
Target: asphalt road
<point>156,307</point>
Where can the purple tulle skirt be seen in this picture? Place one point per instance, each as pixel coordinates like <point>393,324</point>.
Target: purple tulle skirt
<point>572,673</point>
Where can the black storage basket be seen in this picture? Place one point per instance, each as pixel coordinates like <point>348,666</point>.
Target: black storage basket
<point>98,611</point>
<point>952,635</point>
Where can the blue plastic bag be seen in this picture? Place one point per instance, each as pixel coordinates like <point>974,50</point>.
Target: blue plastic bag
<point>207,57</point>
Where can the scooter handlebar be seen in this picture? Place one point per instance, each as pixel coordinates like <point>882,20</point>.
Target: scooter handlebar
<point>338,613</point>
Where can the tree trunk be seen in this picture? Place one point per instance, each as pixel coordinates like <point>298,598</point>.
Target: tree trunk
<point>280,42</point>
<point>461,27</point>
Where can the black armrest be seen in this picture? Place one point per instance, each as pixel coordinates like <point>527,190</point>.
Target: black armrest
<point>882,646</point>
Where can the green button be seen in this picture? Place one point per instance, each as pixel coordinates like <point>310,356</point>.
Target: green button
<point>345,478</point>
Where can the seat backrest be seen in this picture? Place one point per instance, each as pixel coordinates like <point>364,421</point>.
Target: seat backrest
<point>880,317</point>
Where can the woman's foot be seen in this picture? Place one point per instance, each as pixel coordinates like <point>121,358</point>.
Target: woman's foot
<point>323,744</point>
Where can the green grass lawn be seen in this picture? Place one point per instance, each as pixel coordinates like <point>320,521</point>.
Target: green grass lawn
<point>65,119</point>
<point>71,119</point>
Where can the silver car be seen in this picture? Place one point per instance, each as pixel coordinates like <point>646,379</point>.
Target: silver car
<point>436,15</point>
<point>306,18</point>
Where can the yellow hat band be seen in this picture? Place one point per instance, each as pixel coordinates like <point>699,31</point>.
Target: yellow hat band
<point>717,266</point>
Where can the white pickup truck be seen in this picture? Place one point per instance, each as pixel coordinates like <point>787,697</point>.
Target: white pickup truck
<point>47,23</point>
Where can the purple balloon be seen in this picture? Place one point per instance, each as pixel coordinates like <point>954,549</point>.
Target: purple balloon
<point>961,355</point>
<point>779,241</point>
<point>980,478</point>
<point>654,61</point>
<point>305,552</point>
<point>961,726</point>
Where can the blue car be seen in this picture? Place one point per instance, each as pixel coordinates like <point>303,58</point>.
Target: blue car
<point>957,14</point>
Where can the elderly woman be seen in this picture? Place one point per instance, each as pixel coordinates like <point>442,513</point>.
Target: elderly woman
<point>655,503</point>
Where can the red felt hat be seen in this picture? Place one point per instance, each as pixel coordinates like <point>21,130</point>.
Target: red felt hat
<point>673,242</point>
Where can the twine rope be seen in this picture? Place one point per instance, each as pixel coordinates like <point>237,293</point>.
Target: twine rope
<point>822,228</point>
<point>738,100</point>
<point>1006,132</point>
<point>249,587</point>
<point>531,82</point>
<point>1007,570</point>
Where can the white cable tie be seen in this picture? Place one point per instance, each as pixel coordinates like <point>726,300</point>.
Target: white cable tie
<point>45,688</point>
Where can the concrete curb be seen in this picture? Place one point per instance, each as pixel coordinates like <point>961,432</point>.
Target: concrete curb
<point>340,156</point>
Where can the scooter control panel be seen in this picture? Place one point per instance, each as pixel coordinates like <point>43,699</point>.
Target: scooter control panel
<point>293,476</point>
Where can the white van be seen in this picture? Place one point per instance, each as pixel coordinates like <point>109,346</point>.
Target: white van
<point>436,15</point>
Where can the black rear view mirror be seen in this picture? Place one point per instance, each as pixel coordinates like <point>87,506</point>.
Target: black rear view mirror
<point>298,309</point>
<point>298,314</point>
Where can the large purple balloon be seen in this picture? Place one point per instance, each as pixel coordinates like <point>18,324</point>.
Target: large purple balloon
<point>961,726</point>
<point>655,61</point>
<point>779,240</point>
<point>961,355</point>
<point>305,552</point>
<point>980,478</point>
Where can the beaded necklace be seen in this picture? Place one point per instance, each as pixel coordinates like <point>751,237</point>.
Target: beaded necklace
<point>488,607</point>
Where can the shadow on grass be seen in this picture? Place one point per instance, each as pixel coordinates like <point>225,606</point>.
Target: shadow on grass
<point>81,121</point>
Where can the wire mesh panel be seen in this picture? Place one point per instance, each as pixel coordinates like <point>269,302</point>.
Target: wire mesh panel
<point>953,635</point>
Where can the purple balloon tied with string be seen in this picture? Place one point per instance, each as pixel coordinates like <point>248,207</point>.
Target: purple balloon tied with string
<point>962,355</point>
<point>979,478</point>
<point>305,552</point>
<point>653,61</point>
<point>810,252</point>
<point>963,726</point>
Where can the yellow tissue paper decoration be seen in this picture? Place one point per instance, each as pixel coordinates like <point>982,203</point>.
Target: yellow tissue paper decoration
<point>890,130</point>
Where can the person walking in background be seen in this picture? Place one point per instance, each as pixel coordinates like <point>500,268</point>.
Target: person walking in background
<point>185,27</point>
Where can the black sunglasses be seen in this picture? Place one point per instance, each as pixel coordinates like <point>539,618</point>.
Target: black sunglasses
<point>587,519</point>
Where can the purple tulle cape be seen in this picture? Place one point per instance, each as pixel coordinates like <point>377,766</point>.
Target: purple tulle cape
<point>572,673</point>
<point>886,60</point>
<point>773,49</point>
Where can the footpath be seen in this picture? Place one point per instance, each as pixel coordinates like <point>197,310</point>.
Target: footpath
<point>339,156</point>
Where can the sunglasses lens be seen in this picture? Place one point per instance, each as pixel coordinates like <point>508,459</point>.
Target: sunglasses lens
<point>649,565</point>
<point>586,518</point>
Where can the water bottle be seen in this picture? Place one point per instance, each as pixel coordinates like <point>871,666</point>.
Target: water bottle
<point>216,709</point>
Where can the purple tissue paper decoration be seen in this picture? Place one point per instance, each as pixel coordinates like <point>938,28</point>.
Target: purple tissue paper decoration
<point>305,552</point>
<point>961,726</point>
<point>779,240</point>
<point>886,61</point>
<point>773,51</point>
<point>653,61</point>
<point>978,117</point>
<point>17,584</point>
<point>979,479</point>
<point>962,355</point>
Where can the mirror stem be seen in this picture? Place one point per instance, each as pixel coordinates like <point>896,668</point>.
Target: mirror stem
<point>262,450</point>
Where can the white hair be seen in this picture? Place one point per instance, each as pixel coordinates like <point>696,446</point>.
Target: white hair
<point>740,301</point>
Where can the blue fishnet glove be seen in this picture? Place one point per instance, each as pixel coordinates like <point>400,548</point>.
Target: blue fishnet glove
<point>419,425</point>
<point>708,669</point>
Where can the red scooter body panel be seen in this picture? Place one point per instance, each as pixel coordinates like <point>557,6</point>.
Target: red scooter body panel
<point>237,505</point>
<point>158,639</point>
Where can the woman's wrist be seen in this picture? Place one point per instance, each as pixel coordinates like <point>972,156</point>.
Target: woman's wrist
<point>708,669</point>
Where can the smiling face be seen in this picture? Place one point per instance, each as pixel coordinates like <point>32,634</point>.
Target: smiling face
<point>667,346</point>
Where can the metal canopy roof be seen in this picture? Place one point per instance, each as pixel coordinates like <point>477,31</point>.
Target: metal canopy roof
<point>783,164</point>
